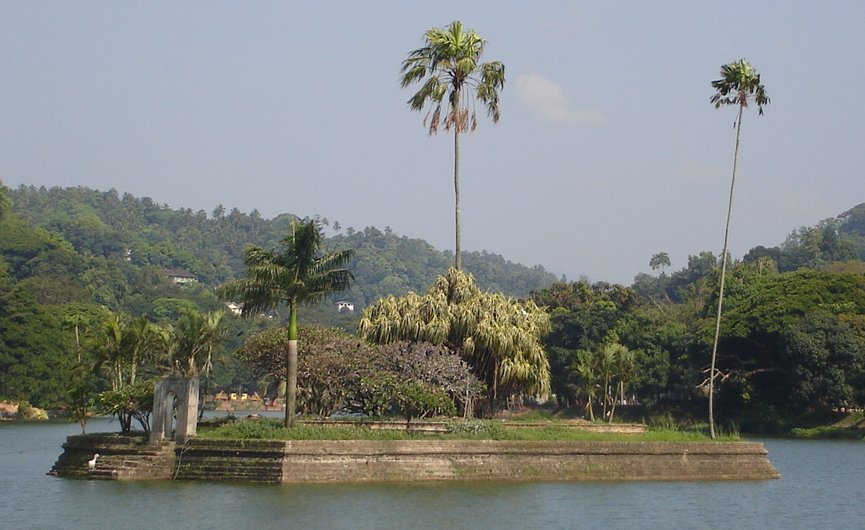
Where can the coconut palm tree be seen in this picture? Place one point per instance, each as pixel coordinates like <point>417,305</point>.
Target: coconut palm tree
<point>449,67</point>
<point>739,84</point>
<point>293,275</point>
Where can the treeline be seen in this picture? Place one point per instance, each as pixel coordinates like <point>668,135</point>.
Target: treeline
<point>792,334</point>
<point>210,246</point>
<point>73,253</point>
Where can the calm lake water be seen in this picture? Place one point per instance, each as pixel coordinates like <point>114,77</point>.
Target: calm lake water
<point>822,486</point>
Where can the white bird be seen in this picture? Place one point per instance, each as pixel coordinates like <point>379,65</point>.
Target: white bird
<point>91,464</point>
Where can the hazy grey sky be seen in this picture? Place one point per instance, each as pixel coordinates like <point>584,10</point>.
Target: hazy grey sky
<point>608,149</point>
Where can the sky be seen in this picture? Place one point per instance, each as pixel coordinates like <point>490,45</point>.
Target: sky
<point>607,151</point>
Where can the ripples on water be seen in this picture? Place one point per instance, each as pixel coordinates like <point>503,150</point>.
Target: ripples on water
<point>822,485</point>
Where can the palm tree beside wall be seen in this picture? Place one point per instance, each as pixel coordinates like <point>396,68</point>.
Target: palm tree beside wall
<point>449,67</point>
<point>739,84</point>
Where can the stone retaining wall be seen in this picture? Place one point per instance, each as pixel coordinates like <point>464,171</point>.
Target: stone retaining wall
<point>340,461</point>
<point>425,460</point>
<point>121,457</point>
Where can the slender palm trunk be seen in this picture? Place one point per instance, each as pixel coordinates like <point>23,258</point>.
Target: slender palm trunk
<point>723,278</point>
<point>457,260</point>
<point>291,367</point>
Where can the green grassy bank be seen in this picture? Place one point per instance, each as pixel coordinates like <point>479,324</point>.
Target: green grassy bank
<point>271,429</point>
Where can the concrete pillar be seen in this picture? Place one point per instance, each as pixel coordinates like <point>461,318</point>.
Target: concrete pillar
<point>185,389</point>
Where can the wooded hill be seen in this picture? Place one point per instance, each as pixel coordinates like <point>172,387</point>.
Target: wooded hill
<point>793,332</point>
<point>109,232</point>
<point>77,254</point>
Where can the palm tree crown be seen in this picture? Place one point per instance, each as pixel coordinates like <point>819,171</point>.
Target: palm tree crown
<point>739,82</point>
<point>450,62</point>
<point>295,274</point>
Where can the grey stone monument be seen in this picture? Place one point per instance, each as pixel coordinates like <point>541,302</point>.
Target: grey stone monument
<point>185,390</point>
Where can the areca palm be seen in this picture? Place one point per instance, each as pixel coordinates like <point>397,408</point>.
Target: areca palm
<point>452,75</point>
<point>293,275</point>
<point>123,345</point>
<point>739,85</point>
<point>586,368</point>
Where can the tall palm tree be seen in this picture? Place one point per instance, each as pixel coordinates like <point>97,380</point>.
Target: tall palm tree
<point>293,275</point>
<point>449,65</point>
<point>739,84</point>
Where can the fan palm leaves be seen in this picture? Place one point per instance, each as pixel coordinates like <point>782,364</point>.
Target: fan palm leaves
<point>739,84</point>
<point>452,78</point>
<point>292,275</point>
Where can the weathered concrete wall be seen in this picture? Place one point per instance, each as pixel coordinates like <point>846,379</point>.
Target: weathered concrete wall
<point>339,461</point>
<point>231,460</point>
<point>424,460</point>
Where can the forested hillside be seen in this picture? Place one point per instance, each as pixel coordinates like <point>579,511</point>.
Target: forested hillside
<point>75,262</point>
<point>79,255</point>
<point>112,227</point>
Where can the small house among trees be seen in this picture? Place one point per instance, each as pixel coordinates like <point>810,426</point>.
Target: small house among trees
<point>180,277</point>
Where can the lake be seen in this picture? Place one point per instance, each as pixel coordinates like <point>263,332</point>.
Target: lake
<point>822,485</point>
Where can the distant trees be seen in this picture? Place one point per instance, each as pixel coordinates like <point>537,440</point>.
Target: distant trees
<point>5,201</point>
<point>449,68</point>
<point>739,83</point>
<point>293,275</point>
<point>659,261</point>
<point>827,353</point>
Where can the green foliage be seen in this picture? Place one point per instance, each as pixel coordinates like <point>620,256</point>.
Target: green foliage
<point>376,395</point>
<point>81,396</point>
<point>498,337</point>
<point>267,429</point>
<point>133,401</point>
<point>826,354</point>
<point>663,422</point>
<point>258,429</point>
<point>436,368</point>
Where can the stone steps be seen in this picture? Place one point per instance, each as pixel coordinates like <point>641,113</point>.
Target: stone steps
<point>129,457</point>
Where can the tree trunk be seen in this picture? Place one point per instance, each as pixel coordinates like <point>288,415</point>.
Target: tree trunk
<point>291,367</point>
<point>457,238</point>
<point>723,278</point>
<point>615,401</point>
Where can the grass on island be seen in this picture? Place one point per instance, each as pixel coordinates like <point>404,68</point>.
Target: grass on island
<point>850,427</point>
<point>273,429</point>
